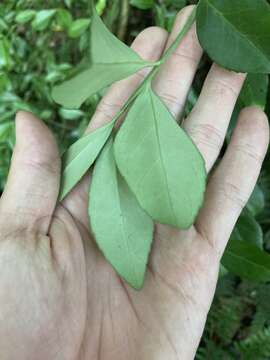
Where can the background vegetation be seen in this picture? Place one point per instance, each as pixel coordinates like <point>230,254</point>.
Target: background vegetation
<point>39,43</point>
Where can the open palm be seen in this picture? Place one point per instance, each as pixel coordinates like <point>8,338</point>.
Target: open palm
<point>59,298</point>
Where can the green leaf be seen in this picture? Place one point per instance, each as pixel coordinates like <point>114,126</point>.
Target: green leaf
<point>112,60</point>
<point>5,130</point>
<point>5,57</point>
<point>106,48</point>
<point>81,155</point>
<point>64,18</point>
<point>78,27</point>
<point>4,82</point>
<point>247,261</point>
<point>68,3</point>
<point>42,19</point>
<point>256,202</point>
<point>254,91</point>
<point>160,163</point>
<point>72,93</point>
<point>3,25</point>
<point>248,229</point>
<point>123,231</point>
<point>143,4</point>
<point>235,34</point>
<point>68,114</point>
<point>101,6</point>
<point>25,16</point>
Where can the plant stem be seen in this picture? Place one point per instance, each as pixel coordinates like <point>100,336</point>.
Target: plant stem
<point>191,19</point>
<point>123,20</point>
<point>158,64</point>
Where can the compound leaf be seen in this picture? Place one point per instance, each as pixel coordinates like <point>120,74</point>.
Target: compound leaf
<point>81,155</point>
<point>235,33</point>
<point>111,60</point>
<point>122,229</point>
<point>160,163</point>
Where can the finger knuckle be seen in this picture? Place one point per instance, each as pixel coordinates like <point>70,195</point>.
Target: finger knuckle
<point>235,194</point>
<point>224,88</point>
<point>207,135</point>
<point>250,153</point>
<point>39,163</point>
<point>107,109</point>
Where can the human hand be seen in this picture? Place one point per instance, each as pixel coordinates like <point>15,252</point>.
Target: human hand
<point>59,298</point>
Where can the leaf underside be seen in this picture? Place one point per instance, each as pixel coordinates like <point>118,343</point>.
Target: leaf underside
<point>111,60</point>
<point>123,231</point>
<point>72,93</point>
<point>81,155</point>
<point>160,163</point>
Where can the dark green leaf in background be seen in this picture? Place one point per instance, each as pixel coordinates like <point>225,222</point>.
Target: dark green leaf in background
<point>235,33</point>
<point>3,25</point>
<point>160,163</point>
<point>254,92</point>
<point>78,27</point>
<point>101,6</point>
<point>43,19</point>
<point>123,230</point>
<point>25,16</point>
<point>248,229</point>
<point>64,18</point>
<point>142,4</point>
<point>5,53</point>
<point>4,81</point>
<point>256,202</point>
<point>247,261</point>
<point>68,114</point>
<point>5,131</point>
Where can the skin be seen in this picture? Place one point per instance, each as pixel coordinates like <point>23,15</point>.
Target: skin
<point>59,298</point>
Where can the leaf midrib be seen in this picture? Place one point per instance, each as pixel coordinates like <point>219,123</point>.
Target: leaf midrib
<point>237,30</point>
<point>161,156</point>
<point>122,225</point>
<point>85,148</point>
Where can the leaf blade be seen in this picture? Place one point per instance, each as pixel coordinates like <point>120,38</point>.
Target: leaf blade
<point>78,27</point>
<point>247,261</point>
<point>248,229</point>
<point>240,25</point>
<point>72,93</point>
<point>123,231</point>
<point>155,142</point>
<point>105,45</point>
<point>111,60</point>
<point>80,156</point>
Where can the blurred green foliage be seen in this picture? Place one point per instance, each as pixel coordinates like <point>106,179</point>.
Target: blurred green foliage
<point>39,43</point>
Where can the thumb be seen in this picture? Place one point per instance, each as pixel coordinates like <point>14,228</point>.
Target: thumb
<point>32,187</point>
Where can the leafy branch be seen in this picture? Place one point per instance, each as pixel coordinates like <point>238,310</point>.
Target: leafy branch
<point>134,176</point>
